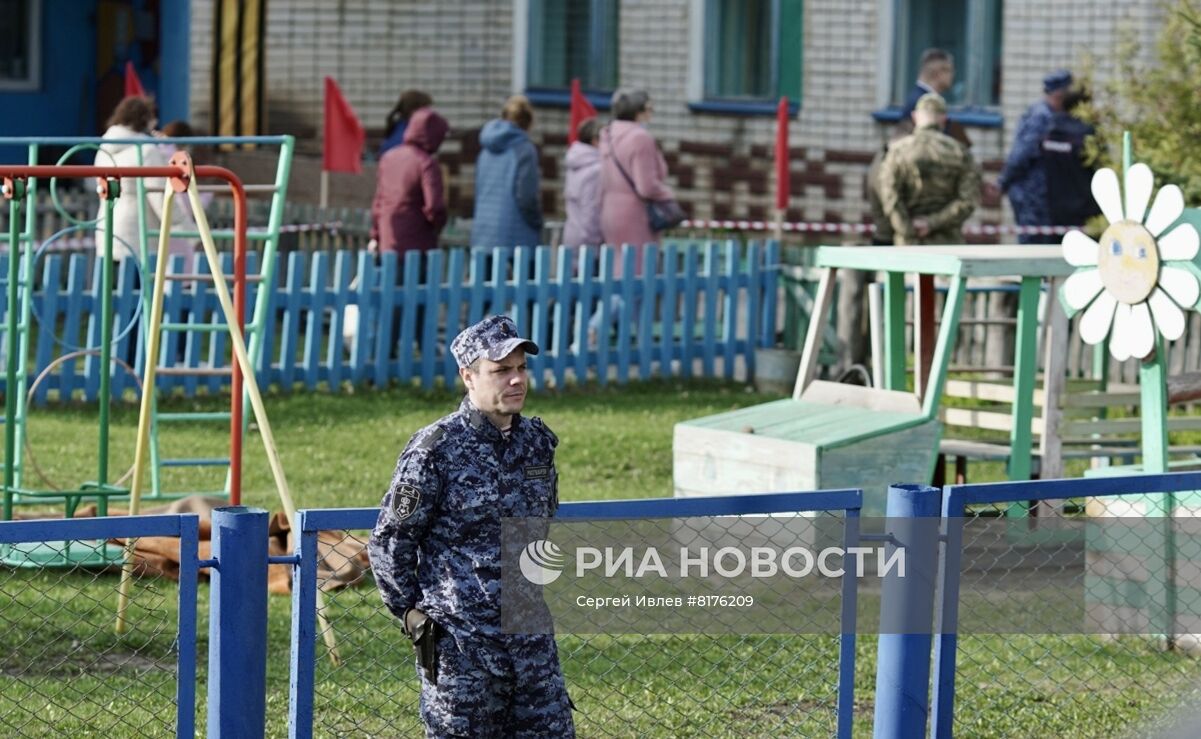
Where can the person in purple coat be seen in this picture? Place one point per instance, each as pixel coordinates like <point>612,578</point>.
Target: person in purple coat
<point>581,188</point>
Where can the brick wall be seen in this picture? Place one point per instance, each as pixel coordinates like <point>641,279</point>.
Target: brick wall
<point>721,165</point>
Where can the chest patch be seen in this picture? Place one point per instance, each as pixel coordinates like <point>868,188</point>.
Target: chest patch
<point>537,471</point>
<point>404,501</point>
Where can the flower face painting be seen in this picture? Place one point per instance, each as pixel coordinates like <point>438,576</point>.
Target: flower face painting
<point>1127,284</point>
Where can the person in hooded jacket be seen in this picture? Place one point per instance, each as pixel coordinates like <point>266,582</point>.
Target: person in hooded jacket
<point>408,211</point>
<point>134,119</point>
<point>581,187</point>
<point>508,209</point>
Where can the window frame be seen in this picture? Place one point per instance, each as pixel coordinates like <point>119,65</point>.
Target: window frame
<point>523,51</point>
<point>700,65</point>
<point>33,81</point>
<point>892,85</point>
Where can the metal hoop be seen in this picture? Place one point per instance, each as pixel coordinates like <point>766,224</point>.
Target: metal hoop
<point>133,319</point>
<point>54,185</point>
<point>29,399</point>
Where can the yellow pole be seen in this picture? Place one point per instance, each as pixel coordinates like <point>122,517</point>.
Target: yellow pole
<point>143,439</point>
<point>252,390</point>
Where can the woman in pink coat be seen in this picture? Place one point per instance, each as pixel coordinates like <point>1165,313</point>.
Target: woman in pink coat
<point>627,143</point>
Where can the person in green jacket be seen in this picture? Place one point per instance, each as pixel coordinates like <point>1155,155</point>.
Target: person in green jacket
<point>928,182</point>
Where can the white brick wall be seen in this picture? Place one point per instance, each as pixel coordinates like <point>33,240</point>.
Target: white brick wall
<point>461,52</point>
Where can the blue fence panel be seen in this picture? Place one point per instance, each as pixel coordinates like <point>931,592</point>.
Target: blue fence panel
<point>592,311</point>
<point>43,547</point>
<point>955,502</point>
<point>306,628</point>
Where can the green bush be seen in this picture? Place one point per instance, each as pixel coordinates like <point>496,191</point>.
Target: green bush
<point>1156,98</point>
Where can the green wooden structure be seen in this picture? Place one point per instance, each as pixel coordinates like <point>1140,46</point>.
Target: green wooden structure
<point>1134,580</point>
<point>829,435</point>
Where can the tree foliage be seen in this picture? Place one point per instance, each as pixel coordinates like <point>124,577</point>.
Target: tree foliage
<point>1157,99</point>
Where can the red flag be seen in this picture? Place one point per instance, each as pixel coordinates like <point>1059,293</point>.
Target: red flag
<point>344,134</point>
<point>133,85</point>
<point>581,110</point>
<point>783,184</point>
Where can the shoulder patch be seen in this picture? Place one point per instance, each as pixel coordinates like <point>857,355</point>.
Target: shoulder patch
<point>429,437</point>
<point>405,499</point>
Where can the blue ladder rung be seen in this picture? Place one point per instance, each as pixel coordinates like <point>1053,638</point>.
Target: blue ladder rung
<point>199,462</point>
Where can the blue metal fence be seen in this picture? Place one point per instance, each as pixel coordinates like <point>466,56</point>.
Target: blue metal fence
<point>709,305</point>
<point>1157,489</point>
<point>238,653</point>
<point>846,503</point>
<point>67,631</point>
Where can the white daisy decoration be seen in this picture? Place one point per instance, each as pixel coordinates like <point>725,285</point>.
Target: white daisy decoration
<point>1140,278</point>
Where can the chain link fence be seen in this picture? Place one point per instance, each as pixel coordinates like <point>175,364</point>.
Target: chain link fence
<point>1061,618</point>
<point>1061,629</point>
<point>707,672</point>
<point>64,671</point>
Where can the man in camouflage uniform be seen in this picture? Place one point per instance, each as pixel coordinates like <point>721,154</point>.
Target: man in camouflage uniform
<point>929,183</point>
<point>1024,179</point>
<point>436,549</point>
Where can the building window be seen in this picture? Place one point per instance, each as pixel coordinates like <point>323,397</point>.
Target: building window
<point>753,49</point>
<point>20,46</point>
<point>969,29</point>
<point>572,38</point>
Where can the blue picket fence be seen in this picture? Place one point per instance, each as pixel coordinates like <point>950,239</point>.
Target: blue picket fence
<point>678,310</point>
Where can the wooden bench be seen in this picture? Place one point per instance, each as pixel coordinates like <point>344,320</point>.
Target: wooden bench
<point>1078,429</point>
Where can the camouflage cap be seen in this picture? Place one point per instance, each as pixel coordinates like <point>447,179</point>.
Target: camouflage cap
<point>1057,80</point>
<point>931,102</point>
<point>493,338</point>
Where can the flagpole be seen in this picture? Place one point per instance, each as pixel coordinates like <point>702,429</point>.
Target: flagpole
<point>325,188</point>
<point>783,171</point>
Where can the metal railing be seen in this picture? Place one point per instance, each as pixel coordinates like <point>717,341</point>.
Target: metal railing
<point>1085,610</point>
<point>63,670</point>
<point>798,678</point>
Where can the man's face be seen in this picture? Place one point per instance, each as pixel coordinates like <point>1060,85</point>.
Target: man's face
<point>498,387</point>
<point>1055,99</point>
<point>944,77</point>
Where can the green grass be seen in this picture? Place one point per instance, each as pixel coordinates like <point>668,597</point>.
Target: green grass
<point>339,450</point>
<point>63,672</point>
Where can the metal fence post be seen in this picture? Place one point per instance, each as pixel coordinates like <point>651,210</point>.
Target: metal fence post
<point>907,608</point>
<point>237,680</point>
<point>304,632</point>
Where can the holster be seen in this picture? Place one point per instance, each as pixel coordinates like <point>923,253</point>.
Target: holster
<point>425,644</point>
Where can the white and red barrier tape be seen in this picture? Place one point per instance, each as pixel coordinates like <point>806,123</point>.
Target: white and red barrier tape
<point>288,228</point>
<point>860,228</point>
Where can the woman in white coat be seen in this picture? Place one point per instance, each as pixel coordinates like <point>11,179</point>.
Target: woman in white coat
<point>134,118</point>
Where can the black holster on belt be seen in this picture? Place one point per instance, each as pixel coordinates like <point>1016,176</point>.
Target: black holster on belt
<point>425,644</point>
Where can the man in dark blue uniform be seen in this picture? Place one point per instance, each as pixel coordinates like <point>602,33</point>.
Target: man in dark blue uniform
<point>436,549</point>
<point>1024,178</point>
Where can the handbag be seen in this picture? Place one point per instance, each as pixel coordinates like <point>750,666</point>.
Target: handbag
<point>662,214</point>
